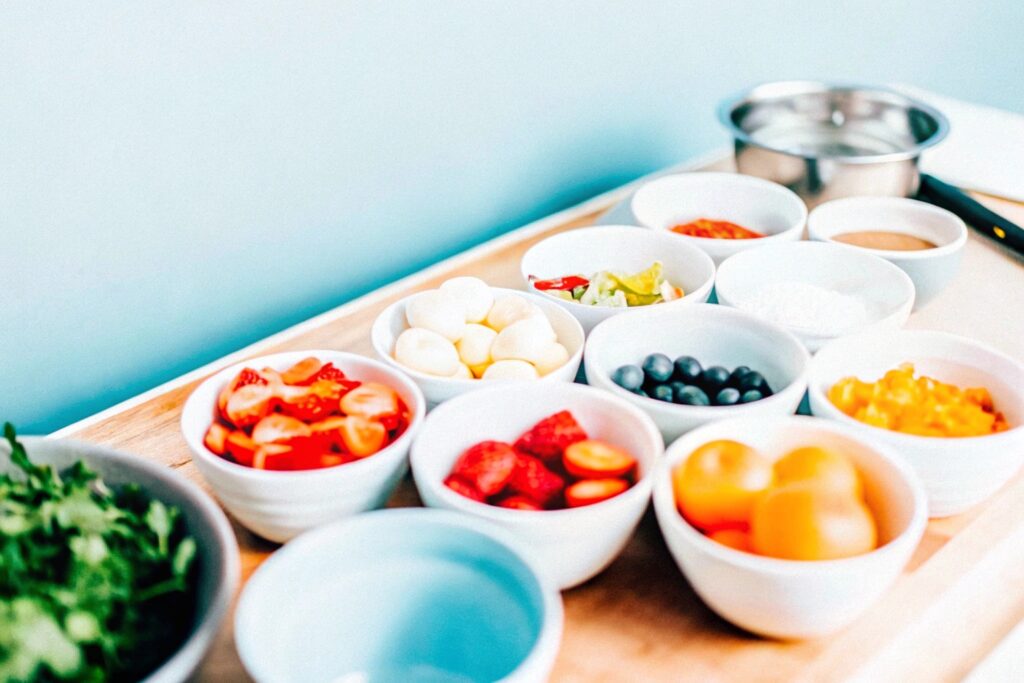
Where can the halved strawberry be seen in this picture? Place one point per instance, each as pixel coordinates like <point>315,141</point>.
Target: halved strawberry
<point>302,371</point>
<point>532,479</point>
<point>273,456</point>
<point>549,438</point>
<point>240,447</point>
<point>590,491</point>
<point>487,466</point>
<point>330,373</point>
<point>370,400</point>
<point>363,437</point>
<point>593,459</point>
<point>249,404</point>
<point>278,427</point>
<point>311,403</point>
<point>519,503</point>
<point>245,377</point>
<point>463,487</point>
<point>216,438</point>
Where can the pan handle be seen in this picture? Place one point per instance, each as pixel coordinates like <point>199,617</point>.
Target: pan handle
<point>982,219</point>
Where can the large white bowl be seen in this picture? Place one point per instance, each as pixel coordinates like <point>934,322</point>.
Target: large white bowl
<point>400,595</point>
<point>280,505</point>
<point>887,292</point>
<point>958,473</point>
<point>622,248</point>
<point>391,322</point>
<point>574,544</point>
<point>757,204</point>
<point>714,335</point>
<point>792,599</point>
<point>930,269</point>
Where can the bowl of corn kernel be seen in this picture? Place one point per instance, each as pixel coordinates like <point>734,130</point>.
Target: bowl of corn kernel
<point>951,406</point>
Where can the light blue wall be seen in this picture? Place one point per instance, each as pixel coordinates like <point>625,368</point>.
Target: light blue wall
<point>179,179</point>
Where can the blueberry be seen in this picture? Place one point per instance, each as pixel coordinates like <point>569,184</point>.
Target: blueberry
<point>677,387</point>
<point>713,379</point>
<point>663,392</point>
<point>641,392</point>
<point>688,369</point>
<point>658,367</point>
<point>737,374</point>
<point>629,377</point>
<point>692,396</point>
<point>752,380</point>
<point>751,396</point>
<point>727,397</point>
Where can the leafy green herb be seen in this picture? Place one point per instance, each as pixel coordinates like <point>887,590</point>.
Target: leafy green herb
<point>95,584</point>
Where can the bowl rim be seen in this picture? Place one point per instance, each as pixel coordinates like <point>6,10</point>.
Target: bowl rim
<point>219,378</point>
<point>834,414</point>
<point>553,616</point>
<point>381,324</point>
<point>634,232</point>
<point>905,203</point>
<point>668,514</point>
<point>641,488</point>
<point>783,89</point>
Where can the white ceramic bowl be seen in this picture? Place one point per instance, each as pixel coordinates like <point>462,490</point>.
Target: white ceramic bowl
<point>930,269</point>
<point>793,599</point>
<point>391,323</point>
<point>400,595</point>
<point>958,473</point>
<point>622,248</point>
<point>574,544</point>
<point>714,335</point>
<point>754,203</point>
<point>886,291</point>
<point>280,505</point>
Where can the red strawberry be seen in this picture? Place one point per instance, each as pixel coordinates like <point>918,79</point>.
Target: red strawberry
<point>302,372</point>
<point>216,438</point>
<point>244,378</point>
<point>311,403</point>
<point>551,436</point>
<point>278,427</point>
<point>532,479</point>
<point>240,447</point>
<point>332,374</point>
<point>487,466</point>
<point>463,487</point>
<point>519,503</point>
<point>249,404</point>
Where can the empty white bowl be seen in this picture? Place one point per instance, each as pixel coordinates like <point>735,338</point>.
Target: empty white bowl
<point>930,269</point>
<point>757,204</point>
<point>714,335</point>
<point>391,322</point>
<point>958,473</point>
<point>886,291</point>
<point>622,248</point>
<point>400,595</point>
<point>574,544</point>
<point>279,505</point>
<point>793,599</point>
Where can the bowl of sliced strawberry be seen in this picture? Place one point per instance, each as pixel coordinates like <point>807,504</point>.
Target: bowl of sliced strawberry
<point>566,468</point>
<point>294,440</point>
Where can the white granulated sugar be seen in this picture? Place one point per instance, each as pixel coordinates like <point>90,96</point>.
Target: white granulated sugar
<point>811,308</point>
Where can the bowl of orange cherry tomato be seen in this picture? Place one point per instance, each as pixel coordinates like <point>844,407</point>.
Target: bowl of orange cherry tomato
<point>951,406</point>
<point>788,527</point>
<point>293,440</point>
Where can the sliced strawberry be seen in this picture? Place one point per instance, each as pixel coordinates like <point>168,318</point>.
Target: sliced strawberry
<point>532,479</point>
<point>302,371</point>
<point>487,466</point>
<point>216,438</point>
<point>593,459</point>
<point>463,487</point>
<point>273,456</point>
<point>240,447</point>
<point>311,403</point>
<point>278,427</point>
<point>370,400</point>
<point>363,437</point>
<point>590,491</point>
<point>519,503</point>
<point>249,404</point>
<point>244,378</point>
<point>332,374</point>
<point>551,436</point>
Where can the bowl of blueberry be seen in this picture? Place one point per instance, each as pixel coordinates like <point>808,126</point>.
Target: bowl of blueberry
<point>689,367</point>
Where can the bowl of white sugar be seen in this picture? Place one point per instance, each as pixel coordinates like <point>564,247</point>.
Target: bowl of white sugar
<point>816,290</point>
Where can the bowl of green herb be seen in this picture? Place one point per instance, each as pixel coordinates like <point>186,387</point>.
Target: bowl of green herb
<point>112,568</point>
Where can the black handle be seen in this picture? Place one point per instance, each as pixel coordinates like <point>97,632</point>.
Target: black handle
<point>984,220</point>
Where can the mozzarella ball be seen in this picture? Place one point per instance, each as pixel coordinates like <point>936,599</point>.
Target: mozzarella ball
<point>475,346</point>
<point>511,369</point>
<point>551,358</point>
<point>463,372</point>
<point>526,339</point>
<point>427,351</point>
<point>509,309</point>
<point>437,312</point>
<point>473,294</point>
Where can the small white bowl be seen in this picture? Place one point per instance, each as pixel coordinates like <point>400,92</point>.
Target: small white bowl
<point>930,269</point>
<point>391,322</point>
<point>757,204</point>
<point>622,248</point>
<point>793,599</point>
<point>958,473</point>
<point>886,291</point>
<point>714,335</point>
<point>400,595</point>
<point>279,505</point>
<point>574,544</point>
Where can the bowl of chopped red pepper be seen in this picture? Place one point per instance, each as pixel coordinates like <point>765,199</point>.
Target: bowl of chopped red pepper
<point>294,440</point>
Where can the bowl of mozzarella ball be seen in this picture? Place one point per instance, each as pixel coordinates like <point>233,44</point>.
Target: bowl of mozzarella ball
<point>466,334</point>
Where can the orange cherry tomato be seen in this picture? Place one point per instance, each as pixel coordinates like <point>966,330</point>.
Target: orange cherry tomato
<point>718,484</point>
<point>821,467</point>
<point>590,491</point>
<point>363,437</point>
<point>733,538</point>
<point>802,521</point>
<point>593,459</point>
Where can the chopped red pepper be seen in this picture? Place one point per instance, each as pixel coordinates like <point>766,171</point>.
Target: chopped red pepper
<point>705,227</point>
<point>561,283</point>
